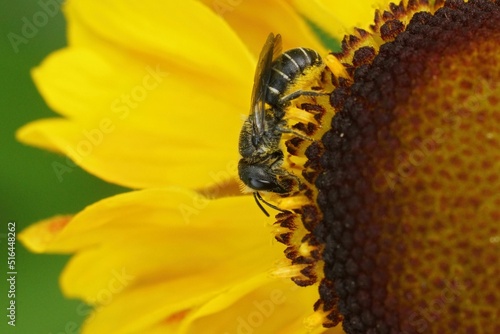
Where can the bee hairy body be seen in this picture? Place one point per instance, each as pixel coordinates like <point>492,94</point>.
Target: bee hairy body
<point>285,69</point>
<point>260,167</point>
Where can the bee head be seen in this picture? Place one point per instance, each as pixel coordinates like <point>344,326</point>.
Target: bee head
<point>265,176</point>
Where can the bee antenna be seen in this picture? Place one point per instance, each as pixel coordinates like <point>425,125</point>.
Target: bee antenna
<point>257,196</point>
<point>258,199</point>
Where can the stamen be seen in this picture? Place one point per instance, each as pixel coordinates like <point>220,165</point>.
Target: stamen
<point>315,320</point>
<point>305,249</point>
<point>299,115</point>
<point>293,202</point>
<point>289,271</point>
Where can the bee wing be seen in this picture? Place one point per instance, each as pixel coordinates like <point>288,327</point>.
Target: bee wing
<point>271,49</point>
<point>277,50</point>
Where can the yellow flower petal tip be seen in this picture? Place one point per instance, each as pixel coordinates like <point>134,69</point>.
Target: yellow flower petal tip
<point>38,236</point>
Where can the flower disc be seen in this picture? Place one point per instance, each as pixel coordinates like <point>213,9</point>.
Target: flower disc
<point>409,184</point>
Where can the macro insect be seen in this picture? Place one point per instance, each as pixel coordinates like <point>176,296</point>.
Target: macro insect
<point>260,167</point>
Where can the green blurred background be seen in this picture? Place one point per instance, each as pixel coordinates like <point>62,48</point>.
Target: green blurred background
<point>30,190</point>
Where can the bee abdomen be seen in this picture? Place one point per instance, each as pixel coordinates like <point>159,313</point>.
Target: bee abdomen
<point>286,68</point>
<point>295,61</point>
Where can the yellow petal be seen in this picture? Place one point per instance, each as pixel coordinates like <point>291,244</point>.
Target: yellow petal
<point>162,233</point>
<point>338,17</point>
<point>278,306</point>
<point>148,143</point>
<point>150,304</point>
<point>146,112</point>
<point>185,34</point>
<point>143,307</point>
<point>38,236</point>
<point>161,328</point>
<point>261,303</point>
<point>264,16</point>
<point>169,245</point>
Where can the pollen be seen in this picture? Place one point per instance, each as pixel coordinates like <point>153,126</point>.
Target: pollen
<point>396,217</point>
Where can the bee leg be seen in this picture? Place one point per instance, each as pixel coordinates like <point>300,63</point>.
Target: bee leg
<point>296,94</point>
<point>258,199</point>
<point>288,130</point>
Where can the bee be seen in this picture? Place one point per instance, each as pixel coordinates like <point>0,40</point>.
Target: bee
<point>260,167</point>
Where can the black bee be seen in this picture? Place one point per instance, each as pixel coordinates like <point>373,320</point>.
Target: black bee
<point>260,167</point>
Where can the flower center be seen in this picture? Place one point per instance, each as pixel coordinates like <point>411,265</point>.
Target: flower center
<point>405,235</point>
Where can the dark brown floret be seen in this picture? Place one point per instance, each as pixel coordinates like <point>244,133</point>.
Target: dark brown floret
<point>391,29</point>
<point>363,56</point>
<point>403,191</point>
<point>293,145</point>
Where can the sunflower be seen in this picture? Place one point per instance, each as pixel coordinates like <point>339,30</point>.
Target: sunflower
<point>394,227</point>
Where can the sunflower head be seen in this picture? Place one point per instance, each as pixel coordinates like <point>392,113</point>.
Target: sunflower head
<point>383,158</point>
<point>397,220</point>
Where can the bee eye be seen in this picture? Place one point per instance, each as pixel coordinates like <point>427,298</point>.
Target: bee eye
<point>255,141</point>
<point>259,184</point>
